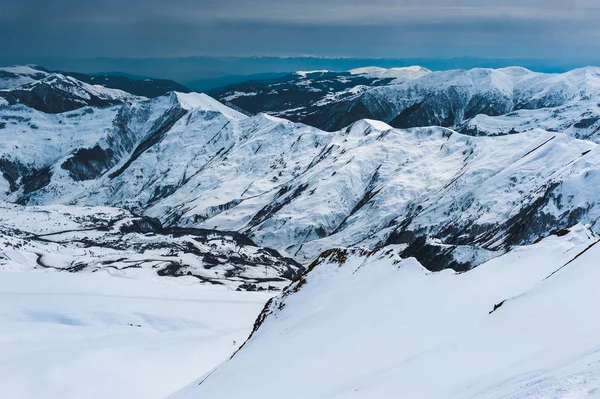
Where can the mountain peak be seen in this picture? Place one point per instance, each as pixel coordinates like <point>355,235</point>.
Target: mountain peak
<point>193,101</point>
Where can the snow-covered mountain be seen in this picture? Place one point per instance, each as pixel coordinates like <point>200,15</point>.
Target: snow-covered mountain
<point>56,92</point>
<point>477,102</point>
<point>105,183</point>
<point>451,200</point>
<point>376,325</point>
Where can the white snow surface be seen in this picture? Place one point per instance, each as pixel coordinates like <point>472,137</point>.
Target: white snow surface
<point>201,101</point>
<point>101,335</point>
<point>372,325</point>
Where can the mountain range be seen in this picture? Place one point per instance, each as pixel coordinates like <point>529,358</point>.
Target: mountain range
<point>452,199</point>
<point>475,102</point>
<point>418,217</point>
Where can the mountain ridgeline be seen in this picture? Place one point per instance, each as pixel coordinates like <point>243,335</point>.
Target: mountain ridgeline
<point>475,102</point>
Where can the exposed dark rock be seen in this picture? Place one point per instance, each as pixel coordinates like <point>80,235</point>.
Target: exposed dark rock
<point>276,206</point>
<point>89,163</point>
<point>158,132</point>
<point>497,306</point>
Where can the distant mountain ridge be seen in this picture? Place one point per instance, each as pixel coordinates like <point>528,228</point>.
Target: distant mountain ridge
<point>57,91</point>
<point>187,70</point>
<point>477,102</point>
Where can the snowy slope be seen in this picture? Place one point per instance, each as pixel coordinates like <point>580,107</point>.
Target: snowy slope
<point>373,325</point>
<point>103,335</point>
<point>31,140</point>
<point>74,148</point>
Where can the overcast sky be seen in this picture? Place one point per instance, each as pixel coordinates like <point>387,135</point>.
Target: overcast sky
<point>355,28</point>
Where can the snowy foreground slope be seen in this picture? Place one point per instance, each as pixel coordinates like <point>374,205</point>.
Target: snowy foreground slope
<point>373,325</point>
<point>105,335</point>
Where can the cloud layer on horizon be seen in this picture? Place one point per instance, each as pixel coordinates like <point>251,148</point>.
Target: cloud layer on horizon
<point>360,28</point>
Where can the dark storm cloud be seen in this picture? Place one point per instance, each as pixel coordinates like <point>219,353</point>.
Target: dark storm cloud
<point>399,28</point>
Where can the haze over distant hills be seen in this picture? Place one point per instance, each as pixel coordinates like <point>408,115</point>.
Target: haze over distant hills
<point>202,73</point>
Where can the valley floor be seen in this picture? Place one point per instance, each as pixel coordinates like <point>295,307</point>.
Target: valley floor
<point>102,335</point>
